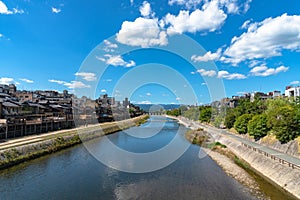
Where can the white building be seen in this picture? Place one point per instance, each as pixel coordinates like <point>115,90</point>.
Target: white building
<point>292,91</point>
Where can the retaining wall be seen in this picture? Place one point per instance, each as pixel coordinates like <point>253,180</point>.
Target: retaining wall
<point>282,175</point>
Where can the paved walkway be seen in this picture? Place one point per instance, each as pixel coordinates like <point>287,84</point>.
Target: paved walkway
<point>14,142</point>
<point>268,150</point>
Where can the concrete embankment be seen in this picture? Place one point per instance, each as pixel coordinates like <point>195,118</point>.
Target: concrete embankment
<point>282,175</point>
<point>16,153</point>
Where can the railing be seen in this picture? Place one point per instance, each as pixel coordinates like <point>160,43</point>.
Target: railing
<point>274,157</point>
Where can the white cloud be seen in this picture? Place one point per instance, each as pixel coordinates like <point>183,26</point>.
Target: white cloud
<point>70,85</point>
<point>265,71</point>
<point>228,76</point>
<point>116,60</point>
<point>6,80</point>
<point>209,18</point>
<point>235,6</point>
<point>55,10</point>
<point>145,9</point>
<point>6,11</point>
<point>295,82</point>
<point>246,24</point>
<point>207,57</point>
<point>26,80</point>
<point>231,6</point>
<point>247,5</point>
<point>76,84</point>
<point>103,91</point>
<point>254,63</point>
<point>101,59</point>
<point>142,32</point>
<point>144,102</point>
<point>56,81</point>
<point>186,3</point>
<point>147,31</point>
<point>148,94</point>
<point>178,99</point>
<point>209,73</point>
<point>109,47</point>
<point>266,39</point>
<point>17,11</point>
<point>88,76</point>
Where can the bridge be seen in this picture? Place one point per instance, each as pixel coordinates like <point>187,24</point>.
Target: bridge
<point>156,113</point>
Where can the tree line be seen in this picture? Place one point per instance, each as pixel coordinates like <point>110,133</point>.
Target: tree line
<point>279,117</point>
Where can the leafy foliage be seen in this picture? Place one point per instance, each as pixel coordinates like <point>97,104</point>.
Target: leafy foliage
<point>192,113</point>
<point>205,114</point>
<point>230,119</point>
<point>284,123</point>
<point>174,112</point>
<point>241,124</point>
<point>258,126</point>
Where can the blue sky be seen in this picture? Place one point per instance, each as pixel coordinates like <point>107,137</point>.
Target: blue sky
<point>206,49</point>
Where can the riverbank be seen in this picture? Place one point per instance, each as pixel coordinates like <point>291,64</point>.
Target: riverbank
<point>225,159</point>
<point>281,176</point>
<point>33,147</point>
<point>236,172</point>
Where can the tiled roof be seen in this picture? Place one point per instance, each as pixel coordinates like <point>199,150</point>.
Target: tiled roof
<point>9,104</point>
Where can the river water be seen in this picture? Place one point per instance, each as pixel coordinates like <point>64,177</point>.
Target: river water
<point>75,173</point>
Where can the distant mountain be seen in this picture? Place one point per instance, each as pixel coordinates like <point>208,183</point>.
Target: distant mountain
<point>155,107</point>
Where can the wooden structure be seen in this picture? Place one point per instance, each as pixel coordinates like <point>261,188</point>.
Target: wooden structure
<point>22,126</point>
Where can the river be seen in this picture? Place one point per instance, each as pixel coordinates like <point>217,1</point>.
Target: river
<point>75,173</point>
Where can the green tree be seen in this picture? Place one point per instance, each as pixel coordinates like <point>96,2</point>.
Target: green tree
<point>229,119</point>
<point>174,112</point>
<point>273,105</point>
<point>258,126</point>
<point>284,123</point>
<point>241,123</point>
<point>205,114</point>
<point>192,113</point>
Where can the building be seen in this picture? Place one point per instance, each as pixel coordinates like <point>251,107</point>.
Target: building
<point>10,108</point>
<point>4,96</point>
<point>275,94</point>
<point>126,103</point>
<point>1,108</point>
<point>12,89</point>
<point>4,89</point>
<point>24,96</point>
<point>292,91</point>
<point>260,96</point>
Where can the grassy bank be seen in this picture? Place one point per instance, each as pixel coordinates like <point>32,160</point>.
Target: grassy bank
<point>68,138</point>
